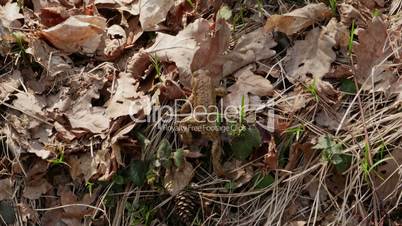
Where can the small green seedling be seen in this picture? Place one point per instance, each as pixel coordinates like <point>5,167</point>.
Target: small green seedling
<point>237,128</point>
<point>260,6</point>
<point>242,114</point>
<point>263,181</point>
<point>224,13</point>
<point>296,131</point>
<point>332,5</point>
<point>312,89</point>
<point>21,46</point>
<point>238,18</point>
<point>59,160</point>
<point>351,37</point>
<point>332,153</point>
<point>190,2</point>
<point>378,159</point>
<point>141,215</point>
<point>376,13</point>
<point>219,119</point>
<point>157,65</point>
<point>89,185</point>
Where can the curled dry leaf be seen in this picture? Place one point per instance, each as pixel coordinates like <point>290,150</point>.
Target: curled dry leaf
<point>251,47</point>
<point>134,30</point>
<point>9,13</point>
<point>299,19</point>
<point>371,54</point>
<point>152,12</point>
<point>247,83</point>
<point>76,104</point>
<point>138,63</point>
<point>77,34</point>
<point>115,41</point>
<point>177,179</point>
<point>271,157</point>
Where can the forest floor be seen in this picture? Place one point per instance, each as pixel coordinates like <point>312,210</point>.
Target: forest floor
<point>200,112</point>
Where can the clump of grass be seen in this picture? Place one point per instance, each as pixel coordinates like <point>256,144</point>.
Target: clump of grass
<point>312,89</point>
<point>156,63</point>
<point>351,37</point>
<point>332,5</point>
<point>296,131</point>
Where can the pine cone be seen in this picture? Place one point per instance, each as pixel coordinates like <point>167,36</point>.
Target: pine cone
<point>186,206</point>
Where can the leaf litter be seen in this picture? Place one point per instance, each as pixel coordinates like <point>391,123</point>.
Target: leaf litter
<point>308,103</point>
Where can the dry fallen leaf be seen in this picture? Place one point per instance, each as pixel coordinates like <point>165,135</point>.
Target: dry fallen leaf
<point>9,13</point>
<point>81,167</point>
<point>6,189</point>
<point>271,157</point>
<point>348,14</point>
<point>52,60</point>
<point>36,188</point>
<point>310,58</point>
<point>251,47</point>
<point>84,116</point>
<point>293,101</point>
<point>247,83</point>
<point>371,54</point>
<point>296,223</point>
<point>177,179</point>
<point>138,63</point>
<point>51,16</point>
<point>27,213</point>
<point>29,103</point>
<point>9,83</point>
<point>77,34</point>
<point>78,106</point>
<point>386,178</point>
<point>127,100</point>
<point>115,42</point>
<point>299,19</point>
<point>238,173</point>
<point>170,90</point>
<point>372,4</point>
<point>182,47</point>
<point>329,119</point>
<point>68,197</point>
<point>152,12</point>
